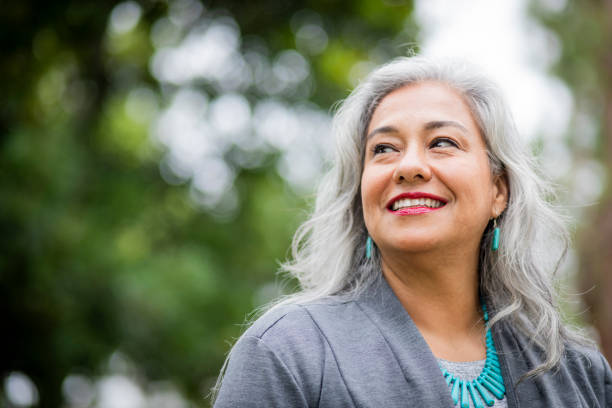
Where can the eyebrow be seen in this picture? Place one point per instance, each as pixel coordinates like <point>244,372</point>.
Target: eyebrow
<point>382,129</point>
<point>434,124</point>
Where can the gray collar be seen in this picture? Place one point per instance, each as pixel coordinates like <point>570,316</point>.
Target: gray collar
<point>413,354</point>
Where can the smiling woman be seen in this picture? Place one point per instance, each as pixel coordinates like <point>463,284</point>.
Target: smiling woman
<point>427,267</point>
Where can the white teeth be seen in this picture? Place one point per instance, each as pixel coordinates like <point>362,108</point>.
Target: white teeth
<point>416,202</point>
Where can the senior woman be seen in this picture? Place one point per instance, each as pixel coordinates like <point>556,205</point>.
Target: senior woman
<point>426,268</point>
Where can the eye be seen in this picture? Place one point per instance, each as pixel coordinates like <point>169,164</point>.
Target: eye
<point>443,142</point>
<point>382,148</point>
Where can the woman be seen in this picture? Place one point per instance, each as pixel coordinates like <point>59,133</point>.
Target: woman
<point>426,268</point>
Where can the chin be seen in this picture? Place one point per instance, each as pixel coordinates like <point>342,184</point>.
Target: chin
<point>414,245</point>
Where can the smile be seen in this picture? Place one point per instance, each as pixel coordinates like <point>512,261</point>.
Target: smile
<point>415,203</point>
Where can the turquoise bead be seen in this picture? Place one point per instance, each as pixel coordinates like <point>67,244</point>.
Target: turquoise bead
<point>475,399</point>
<point>496,377</point>
<point>486,397</point>
<point>465,402</point>
<point>495,243</point>
<point>489,386</point>
<point>491,381</point>
<point>455,391</point>
<point>494,364</point>
<point>449,378</point>
<point>369,247</point>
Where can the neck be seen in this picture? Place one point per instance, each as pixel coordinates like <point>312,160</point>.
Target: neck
<point>440,293</point>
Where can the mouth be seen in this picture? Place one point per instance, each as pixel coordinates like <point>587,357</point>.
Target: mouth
<point>421,202</point>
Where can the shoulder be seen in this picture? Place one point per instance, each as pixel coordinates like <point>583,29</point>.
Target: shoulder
<point>589,361</point>
<point>297,335</point>
<point>578,361</point>
<point>297,323</point>
<point>589,372</point>
<point>281,357</point>
<point>593,370</point>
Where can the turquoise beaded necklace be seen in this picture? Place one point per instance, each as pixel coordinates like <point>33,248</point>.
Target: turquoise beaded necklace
<point>490,380</point>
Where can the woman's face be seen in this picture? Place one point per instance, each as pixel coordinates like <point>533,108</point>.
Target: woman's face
<point>427,182</point>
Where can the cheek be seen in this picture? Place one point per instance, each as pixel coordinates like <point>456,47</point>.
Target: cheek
<point>479,189</point>
<point>470,181</point>
<point>372,189</point>
<point>366,196</point>
<point>372,184</point>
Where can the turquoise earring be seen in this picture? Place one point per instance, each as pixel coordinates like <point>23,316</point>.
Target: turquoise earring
<point>495,241</point>
<point>369,248</point>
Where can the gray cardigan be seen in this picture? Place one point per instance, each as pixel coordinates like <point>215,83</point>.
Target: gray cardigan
<point>368,352</point>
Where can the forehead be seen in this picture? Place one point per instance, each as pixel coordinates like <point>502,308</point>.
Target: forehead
<point>424,101</point>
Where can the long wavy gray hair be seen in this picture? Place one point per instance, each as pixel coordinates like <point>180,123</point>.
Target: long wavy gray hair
<point>328,250</point>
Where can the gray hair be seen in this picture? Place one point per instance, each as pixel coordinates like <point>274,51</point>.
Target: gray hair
<point>328,250</point>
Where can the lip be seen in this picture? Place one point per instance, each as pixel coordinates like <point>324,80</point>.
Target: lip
<point>415,210</point>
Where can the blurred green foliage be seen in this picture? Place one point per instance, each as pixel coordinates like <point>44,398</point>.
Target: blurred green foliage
<point>98,253</point>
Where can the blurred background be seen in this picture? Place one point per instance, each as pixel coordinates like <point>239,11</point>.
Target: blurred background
<point>156,157</point>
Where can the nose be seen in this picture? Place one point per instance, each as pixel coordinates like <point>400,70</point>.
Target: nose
<point>412,167</point>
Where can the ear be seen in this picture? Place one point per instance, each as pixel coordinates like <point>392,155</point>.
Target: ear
<point>500,195</point>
